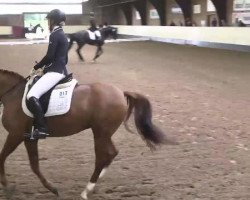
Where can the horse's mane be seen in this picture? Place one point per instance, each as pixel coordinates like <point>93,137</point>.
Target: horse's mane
<point>12,74</point>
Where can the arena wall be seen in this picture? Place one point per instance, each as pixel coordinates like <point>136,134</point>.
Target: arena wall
<point>218,37</point>
<point>201,36</point>
<point>12,25</point>
<point>18,20</point>
<point>5,30</point>
<point>11,20</point>
<point>234,38</point>
<point>73,29</point>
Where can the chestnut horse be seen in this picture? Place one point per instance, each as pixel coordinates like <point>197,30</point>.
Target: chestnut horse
<point>100,107</point>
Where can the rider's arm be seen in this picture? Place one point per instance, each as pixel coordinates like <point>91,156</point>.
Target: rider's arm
<point>49,57</point>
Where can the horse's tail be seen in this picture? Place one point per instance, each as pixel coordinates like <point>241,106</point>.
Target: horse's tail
<point>143,120</point>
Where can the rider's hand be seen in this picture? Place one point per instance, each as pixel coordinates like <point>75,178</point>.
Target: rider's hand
<point>32,72</point>
<point>36,67</point>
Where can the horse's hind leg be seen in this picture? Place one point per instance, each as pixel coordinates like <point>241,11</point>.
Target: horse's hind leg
<point>78,51</point>
<point>11,143</point>
<point>32,150</point>
<point>105,153</point>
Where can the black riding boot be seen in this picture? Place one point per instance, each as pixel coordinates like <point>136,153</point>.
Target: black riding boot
<point>40,127</point>
<point>98,38</point>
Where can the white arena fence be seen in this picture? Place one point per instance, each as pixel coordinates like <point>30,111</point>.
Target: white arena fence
<point>235,38</point>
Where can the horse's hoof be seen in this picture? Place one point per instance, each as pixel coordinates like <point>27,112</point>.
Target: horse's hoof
<point>55,191</point>
<point>84,195</point>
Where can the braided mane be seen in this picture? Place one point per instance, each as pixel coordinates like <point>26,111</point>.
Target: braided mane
<point>12,74</point>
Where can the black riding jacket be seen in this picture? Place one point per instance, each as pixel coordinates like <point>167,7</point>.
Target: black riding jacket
<point>57,55</point>
<point>93,28</point>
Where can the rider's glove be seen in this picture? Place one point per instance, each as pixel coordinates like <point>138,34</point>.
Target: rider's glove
<point>36,67</point>
<point>32,72</point>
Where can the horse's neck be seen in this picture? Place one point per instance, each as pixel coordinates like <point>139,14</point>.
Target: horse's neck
<point>10,86</point>
<point>107,32</point>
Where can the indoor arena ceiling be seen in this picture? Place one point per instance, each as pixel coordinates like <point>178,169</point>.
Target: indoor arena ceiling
<point>40,1</point>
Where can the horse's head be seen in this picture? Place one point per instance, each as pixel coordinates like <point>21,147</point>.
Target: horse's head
<point>37,26</point>
<point>109,32</point>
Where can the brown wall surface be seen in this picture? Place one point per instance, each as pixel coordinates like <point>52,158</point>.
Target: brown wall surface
<point>77,19</point>
<point>121,19</point>
<point>11,20</point>
<point>111,15</point>
<point>17,20</point>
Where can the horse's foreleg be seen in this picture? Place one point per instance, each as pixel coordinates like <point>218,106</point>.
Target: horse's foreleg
<point>32,150</point>
<point>78,51</point>
<point>99,52</point>
<point>105,153</point>
<point>11,143</point>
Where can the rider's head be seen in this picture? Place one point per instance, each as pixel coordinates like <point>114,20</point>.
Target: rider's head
<point>56,18</point>
<point>92,23</point>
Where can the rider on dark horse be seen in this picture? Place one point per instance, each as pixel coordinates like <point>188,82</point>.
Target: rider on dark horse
<point>93,28</point>
<point>55,61</point>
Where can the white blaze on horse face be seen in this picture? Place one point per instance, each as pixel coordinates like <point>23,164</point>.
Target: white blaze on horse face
<point>89,188</point>
<point>103,173</point>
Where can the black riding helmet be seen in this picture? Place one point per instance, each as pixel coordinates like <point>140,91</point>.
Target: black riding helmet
<point>57,16</point>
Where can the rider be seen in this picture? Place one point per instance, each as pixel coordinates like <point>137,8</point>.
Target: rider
<point>93,28</point>
<point>55,69</point>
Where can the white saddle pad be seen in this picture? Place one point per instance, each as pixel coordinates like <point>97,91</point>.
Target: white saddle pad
<point>59,102</point>
<point>98,33</point>
<point>92,35</point>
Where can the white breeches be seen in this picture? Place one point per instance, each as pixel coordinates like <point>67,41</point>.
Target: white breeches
<point>44,84</point>
<point>98,33</point>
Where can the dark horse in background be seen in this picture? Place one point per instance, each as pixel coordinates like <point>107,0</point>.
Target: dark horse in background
<point>82,38</point>
<point>33,30</point>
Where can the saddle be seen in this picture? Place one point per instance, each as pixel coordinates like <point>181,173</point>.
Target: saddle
<point>56,101</point>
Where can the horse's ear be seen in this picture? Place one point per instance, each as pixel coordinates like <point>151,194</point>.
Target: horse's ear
<point>133,94</point>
